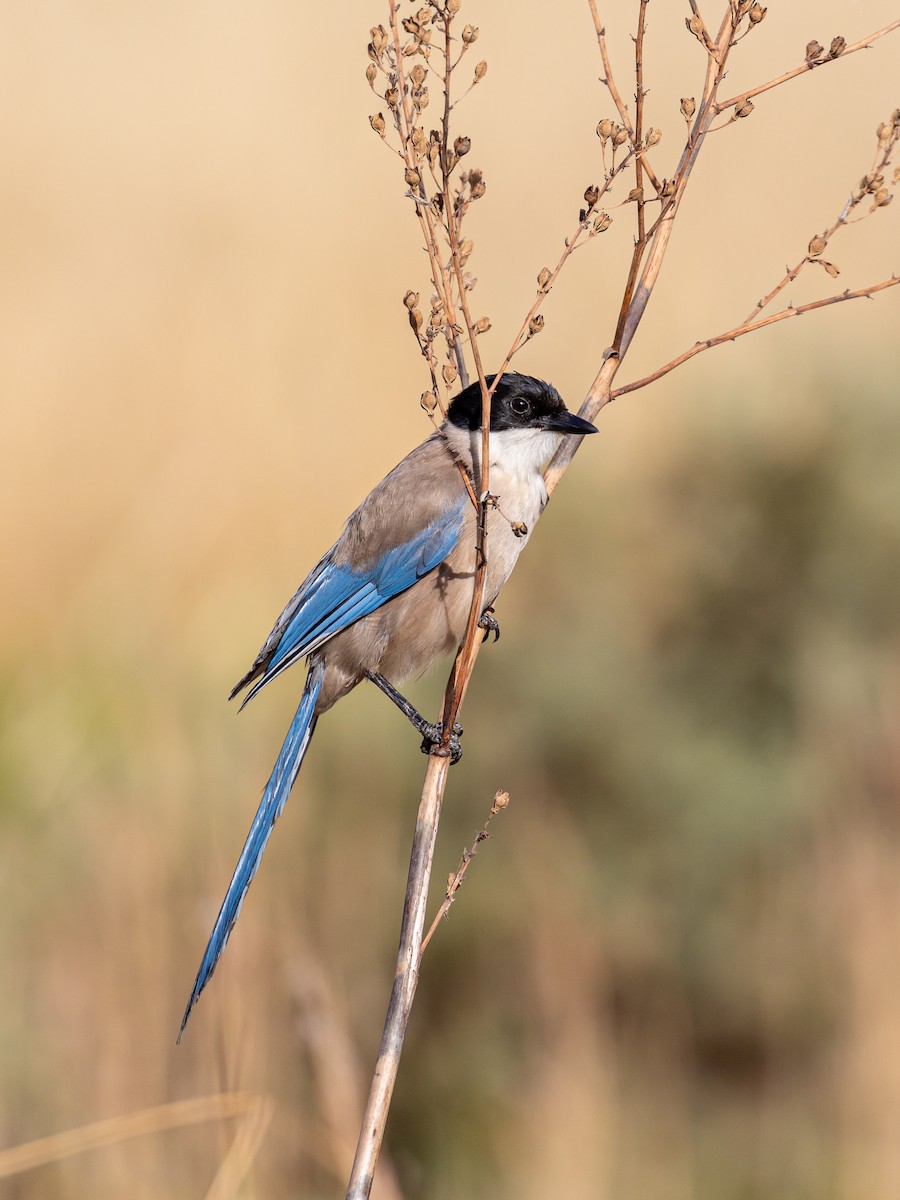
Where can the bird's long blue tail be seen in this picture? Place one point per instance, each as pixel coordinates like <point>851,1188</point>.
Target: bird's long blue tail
<point>274,797</point>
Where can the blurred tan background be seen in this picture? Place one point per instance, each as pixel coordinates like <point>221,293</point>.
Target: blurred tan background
<point>673,973</point>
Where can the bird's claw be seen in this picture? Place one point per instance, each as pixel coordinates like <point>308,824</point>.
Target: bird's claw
<point>490,625</point>
<point>433,742</point>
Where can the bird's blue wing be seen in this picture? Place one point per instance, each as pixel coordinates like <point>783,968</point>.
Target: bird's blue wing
<point>335,594</point>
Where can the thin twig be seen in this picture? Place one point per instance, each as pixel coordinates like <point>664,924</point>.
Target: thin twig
<point>255,1111</point>
<point>883,154</point>
<point>639,115</point>
<point>571,244</point>
<point>806,67</point>
<point>751,327</point>
<point>621,107</point>
<point>501,801</point>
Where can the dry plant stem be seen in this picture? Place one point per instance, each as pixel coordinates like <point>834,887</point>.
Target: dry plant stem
<point>571,244</point>
<point>751,327</point>
<point>501,800</point>
<point>423,211</point>
<point>642,279</point>
<point>609,80</point>
<point>639,115</point>
<point>409,954</point>
<point>637,136</point>
<point>255,1111</point>
<point>406,979</point>
<point>862,44</point>
<point>882,159</point>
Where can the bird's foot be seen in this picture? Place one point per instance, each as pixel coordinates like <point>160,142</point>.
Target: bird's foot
<point>433,741</point>
<point>490,625</point>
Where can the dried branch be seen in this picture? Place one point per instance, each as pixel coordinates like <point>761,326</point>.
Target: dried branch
<point>751,327</point>
<point>441,217</point>
<point>501,801</point>
<point>808,65</point>
<point>871,186</point>
<point>406,979</point>
<point>609,81</point>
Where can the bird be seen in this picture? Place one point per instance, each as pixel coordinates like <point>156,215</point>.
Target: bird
<point>393,594</point>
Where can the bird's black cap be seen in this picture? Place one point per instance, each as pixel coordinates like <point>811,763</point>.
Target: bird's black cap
<point>519,402</point>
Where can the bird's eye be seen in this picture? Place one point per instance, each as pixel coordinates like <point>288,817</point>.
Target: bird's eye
<point>520,405</point>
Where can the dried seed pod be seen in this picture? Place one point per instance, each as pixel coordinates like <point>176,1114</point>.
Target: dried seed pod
<point>814,51</point>
<point>462,146</point>
<point>417,75</point>
<point>519,528</point>
<point>476,189</point>
<point>636,193</point>
<point>371,72</point>
<point>688,107</point>
<point>882,198</point>
<point>885,131</point>
<point>417,137</point>
<point>816,246</point>
<point>536,324</point>
<point>837,48</point>
<point>428,401</point>
<point>470,34</point>
<point>757,13</point>
<point>379,37</point>
<point>482,325</point>
<point>410,299</point>
<point>603,222</point>
<point>420,99</point>
<point>591,195</point>
<point>871,183</point>
<point>620,135</point>
<point>604,129</point>
<point>412,177</point>
<point>480,71</point>
<point>543,278</point>
<point>830,268</point>
<point>667,189</point>
<point>453,7</point>
<point>501,800</point>
<point>377,123</point>
<point>415,320</point>
<point>449,373</point>
<point>653,136</point>
<point>392,98</point>
<point>743,108</point>
<point>465,250</point>
<point>695,26</point>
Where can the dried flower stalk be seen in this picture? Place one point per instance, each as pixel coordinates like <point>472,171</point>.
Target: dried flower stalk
<point>441,206</point>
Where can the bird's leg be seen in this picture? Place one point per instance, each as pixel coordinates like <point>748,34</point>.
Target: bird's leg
<point>432,731</point>
<point>489,624</point>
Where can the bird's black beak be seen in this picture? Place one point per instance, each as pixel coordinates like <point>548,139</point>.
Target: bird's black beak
<point>566,422</point>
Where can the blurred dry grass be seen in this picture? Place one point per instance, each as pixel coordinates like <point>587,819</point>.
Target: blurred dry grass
<point>673,973</point>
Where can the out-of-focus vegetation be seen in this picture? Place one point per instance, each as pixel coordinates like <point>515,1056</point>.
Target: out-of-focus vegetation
<point>673,972</point>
